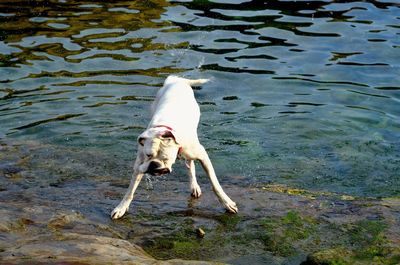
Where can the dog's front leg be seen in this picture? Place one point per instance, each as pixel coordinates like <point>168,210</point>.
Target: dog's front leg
<point>194,186</point>
<point>208,167</point>
<point>123,206</point>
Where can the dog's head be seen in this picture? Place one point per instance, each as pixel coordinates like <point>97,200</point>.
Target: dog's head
<point>158,150</point>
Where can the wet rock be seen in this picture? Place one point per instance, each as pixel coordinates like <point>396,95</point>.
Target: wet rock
<point>64,220</point>
<point>11,223</point>
<point>10,171</point>
<point>82,249</point>
<point>5,223</point>
<point>328,257</point>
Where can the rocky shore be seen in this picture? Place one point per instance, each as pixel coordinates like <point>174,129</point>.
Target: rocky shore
<point>55,208</point>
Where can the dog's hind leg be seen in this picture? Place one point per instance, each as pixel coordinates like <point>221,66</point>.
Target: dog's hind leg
<point>194,186</point>
<point>222,197</point>
<point>123,206</point>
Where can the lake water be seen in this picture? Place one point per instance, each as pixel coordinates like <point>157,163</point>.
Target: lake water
<point>303,93</point>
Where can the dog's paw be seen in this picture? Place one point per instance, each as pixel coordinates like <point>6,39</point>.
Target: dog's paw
<point>231,207</point>
<point>196,191</point>
<point>118,212</point>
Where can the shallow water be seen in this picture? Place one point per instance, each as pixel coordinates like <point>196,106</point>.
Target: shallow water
<point>303,93</point>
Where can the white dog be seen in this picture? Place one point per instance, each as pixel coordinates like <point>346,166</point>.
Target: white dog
<point>172,132</point>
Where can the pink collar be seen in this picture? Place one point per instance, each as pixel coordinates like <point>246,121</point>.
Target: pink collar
<point>164,126</point>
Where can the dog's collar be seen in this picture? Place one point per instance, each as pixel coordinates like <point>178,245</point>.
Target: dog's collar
<point>180,150</point>
<point>164,126</point>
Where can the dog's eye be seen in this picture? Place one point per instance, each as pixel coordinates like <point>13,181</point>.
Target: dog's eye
<point>141,141</point>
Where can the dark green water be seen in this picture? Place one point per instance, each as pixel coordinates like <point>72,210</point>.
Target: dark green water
<point>304,93</point>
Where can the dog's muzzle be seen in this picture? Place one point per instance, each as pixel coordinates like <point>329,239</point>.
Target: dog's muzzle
<point>156,169</point>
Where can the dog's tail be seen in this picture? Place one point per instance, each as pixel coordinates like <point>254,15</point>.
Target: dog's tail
<point>196,82</point>
<point>190,82</point>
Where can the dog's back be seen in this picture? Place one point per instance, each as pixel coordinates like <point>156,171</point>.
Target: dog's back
<point>176,105</point>
<point>183,85</point>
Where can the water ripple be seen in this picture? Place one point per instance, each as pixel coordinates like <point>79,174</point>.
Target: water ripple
<point>58,118</point>
<point>294,78</point>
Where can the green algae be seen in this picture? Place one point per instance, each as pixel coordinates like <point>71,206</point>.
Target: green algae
<point>363,242</point>
<point>369,240</point>
<point>185,244</point>
<point>305,193</point>
<point>280,234</point>
<point>229,221</point>
<point>343,256</point>
<point>336,256</point>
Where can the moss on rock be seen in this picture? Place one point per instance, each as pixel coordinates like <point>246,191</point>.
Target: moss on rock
<point>281,234</point>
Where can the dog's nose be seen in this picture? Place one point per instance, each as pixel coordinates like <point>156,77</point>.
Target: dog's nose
<point>156,169</point>
<point>153,166</point>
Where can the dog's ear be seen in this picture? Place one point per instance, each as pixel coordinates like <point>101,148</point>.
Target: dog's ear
<point>142,137</point>
<point>169,135</point>
<point>141,140</point>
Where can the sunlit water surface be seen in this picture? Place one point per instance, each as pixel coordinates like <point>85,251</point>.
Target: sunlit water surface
<point>303,93</point>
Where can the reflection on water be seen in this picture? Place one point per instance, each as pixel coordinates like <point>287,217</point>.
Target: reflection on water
<point>304,93</point>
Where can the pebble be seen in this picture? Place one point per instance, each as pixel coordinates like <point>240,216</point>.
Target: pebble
<point>200,232</point>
